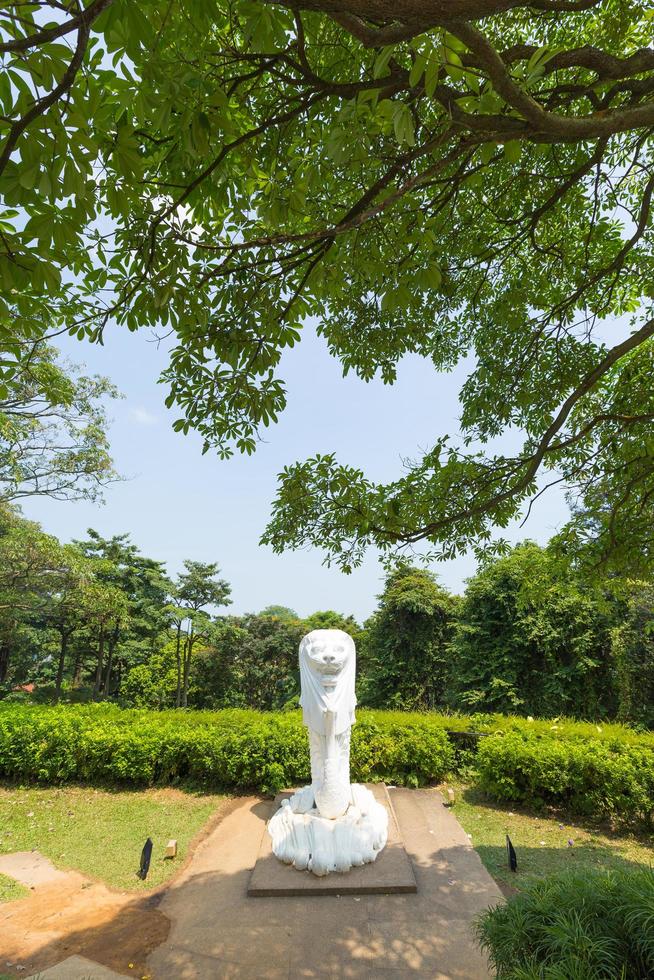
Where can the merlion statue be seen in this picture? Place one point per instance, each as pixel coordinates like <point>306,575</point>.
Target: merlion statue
<point>330,825</point>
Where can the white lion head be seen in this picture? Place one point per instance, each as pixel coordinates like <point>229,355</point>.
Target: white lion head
<point>327,672</point>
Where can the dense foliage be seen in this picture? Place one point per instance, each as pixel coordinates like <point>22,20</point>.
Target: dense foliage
<point>633,650</point>
<point>596,925</point>
<point>531,637</point>
<point>604,773</point>
<point>408,643</point>
<point>229,749</point>
<point>470,179</point>
<point>96,619</point>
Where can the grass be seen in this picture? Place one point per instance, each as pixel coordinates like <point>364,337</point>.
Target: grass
<point>10,890</point>
<point>541,841</point>
<point>101,832</point>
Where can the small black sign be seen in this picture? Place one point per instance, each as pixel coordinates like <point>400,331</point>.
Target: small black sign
<point>511,854</point>
<point>146,855</point>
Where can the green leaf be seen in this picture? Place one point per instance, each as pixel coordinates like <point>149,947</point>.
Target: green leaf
<point>403,124</point>
<point>380,66</point>
<point>513,151</point>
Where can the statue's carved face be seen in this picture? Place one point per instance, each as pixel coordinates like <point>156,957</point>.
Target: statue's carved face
<point>326,654</point>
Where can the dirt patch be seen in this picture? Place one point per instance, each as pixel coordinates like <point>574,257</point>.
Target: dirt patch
<point>77,916</point>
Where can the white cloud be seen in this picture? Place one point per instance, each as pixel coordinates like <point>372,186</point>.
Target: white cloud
<point>141,416</point>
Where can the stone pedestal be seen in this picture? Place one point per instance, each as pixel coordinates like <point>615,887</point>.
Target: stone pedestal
<point>390,873</point>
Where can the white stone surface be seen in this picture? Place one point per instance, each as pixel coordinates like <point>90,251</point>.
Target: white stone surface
<point>330,825</point>
<point>31,868</point>
<point>77,968</point>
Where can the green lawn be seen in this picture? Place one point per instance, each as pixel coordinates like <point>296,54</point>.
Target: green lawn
<point>10,890</point>
<point>541,841</point>
<point>101,833</point>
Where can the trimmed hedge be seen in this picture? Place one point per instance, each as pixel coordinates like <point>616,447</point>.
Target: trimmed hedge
<point>595,926</point>
<point>227,749</point>
<point>594,770</point>
<point>595,778</point>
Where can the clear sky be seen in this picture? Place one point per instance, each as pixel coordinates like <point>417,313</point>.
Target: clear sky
<point>178,504</point>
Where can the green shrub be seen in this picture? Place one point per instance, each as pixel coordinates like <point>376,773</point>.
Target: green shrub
<point>230,749</point>
<point>595,926</point>
<point>597,778</point>
<point>597,770</point>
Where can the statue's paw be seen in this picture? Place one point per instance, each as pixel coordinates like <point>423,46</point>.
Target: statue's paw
<point>320,865</point>
<point>302,801</point>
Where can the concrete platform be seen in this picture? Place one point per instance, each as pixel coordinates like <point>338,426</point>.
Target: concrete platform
<point>218,933</point>
<point>30,868</point>
<point>77,968</point>
<point>391,874</point>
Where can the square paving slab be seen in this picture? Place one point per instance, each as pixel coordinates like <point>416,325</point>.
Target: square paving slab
<point>391,874</point>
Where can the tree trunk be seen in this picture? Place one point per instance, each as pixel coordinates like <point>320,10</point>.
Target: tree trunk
<point>188,649</point>
<point>178,693</point>
<point>4,660</point>
<point>110,658</point>
<point>62,662</point>
<point>98,669</point>
<point>77,670</point>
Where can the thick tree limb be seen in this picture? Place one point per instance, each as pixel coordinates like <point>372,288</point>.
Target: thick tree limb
<point>533,462</point>
<point>83,20</point>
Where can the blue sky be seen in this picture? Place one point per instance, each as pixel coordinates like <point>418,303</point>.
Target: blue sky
<point>178,504</point>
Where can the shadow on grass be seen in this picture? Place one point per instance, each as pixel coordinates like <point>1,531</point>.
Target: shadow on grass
<point>581,844</point>
<point>187,786</point>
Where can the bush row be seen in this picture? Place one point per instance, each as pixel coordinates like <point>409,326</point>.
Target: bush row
<point>595,926</point>
<point>226,749</point>
<point>598,775</point>
<point>593,778</point>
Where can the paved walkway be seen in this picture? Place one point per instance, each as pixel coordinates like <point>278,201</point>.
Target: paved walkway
<point>218,933</point>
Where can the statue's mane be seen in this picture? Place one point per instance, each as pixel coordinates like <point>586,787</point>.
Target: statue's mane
<point>313,699</point>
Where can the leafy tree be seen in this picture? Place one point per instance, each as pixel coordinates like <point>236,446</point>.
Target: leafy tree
<point>136,633</point>
<point>218,673</point>
<point>107,610</point>
<point>280,612</point>
<point>327,619</point>
<point>531,638</point>
<point>252,662</point>
<point>407,642</point>
<point>195,589</point>
<point>30,561</point>
<point>633,651</point>
<point>151,684</point>
<point>53,424</point>
<point>71,604</point>
<point>451,179</point>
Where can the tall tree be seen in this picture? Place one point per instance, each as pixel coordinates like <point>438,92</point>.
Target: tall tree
<point>463,178</point>
<point>633,653</point>
<point>30,565</point>
<point>70,604</point>
<point>407,642</point>
<point>145,588</point>
<point>280,612</point>
<point>107,610</point>
<point>197,588</point>
<point>531,638</point>
<point>53,430</point>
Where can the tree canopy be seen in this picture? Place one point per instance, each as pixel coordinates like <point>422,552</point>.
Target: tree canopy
<point>462,178</point>
<point>53,438</point>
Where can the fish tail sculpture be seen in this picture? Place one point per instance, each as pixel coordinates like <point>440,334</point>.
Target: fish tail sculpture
<point>330,773</point>
<point>330,825</point>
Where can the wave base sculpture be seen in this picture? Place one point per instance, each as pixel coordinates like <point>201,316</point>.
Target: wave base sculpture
<point>331,825</point>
